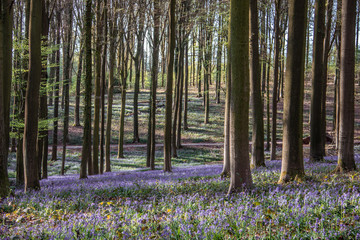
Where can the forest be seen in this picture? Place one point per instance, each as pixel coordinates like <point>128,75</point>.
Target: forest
<point>179,119</point>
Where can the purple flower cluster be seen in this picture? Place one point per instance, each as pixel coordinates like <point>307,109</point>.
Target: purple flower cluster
<point>189,203</point>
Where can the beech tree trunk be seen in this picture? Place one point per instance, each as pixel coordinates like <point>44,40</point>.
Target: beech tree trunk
<point>32,98</point>
<point>6,25</point>
<point>292,167</point>
<point>240,173</point>
<point>86,146</point>
<point>257,149</point>
<point>316,151</point>
<point>169,86</point>
<point>276,79</point>
<point>346,160</point>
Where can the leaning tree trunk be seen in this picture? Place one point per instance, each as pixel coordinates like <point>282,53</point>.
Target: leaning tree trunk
<point>240,173</point>
<point>292,167</point>
<point>32,98</point>
<point>346,160</point>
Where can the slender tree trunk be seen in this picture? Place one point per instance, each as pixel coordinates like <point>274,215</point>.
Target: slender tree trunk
<point>112,52</point>
<point>103,86</point>
<point>32,98</point>
<point>66,81</point>
<point>169,86</point>
<point>276,79</point>
<point>99,39</point>
<point>226,165</point>
<point>346,160</point>
<point>257,150</point>
<point>154,78</point>
<point>43,141</point>
<point>316,151</point>
<point>292,167</point>
<point>325,56</point>
<point>86,146</point>
<point>78,86</point>
<point>57,82</point>
<point>186,98</point>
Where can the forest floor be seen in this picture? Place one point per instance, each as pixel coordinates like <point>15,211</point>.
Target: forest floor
<point>189,203</point>
<point>132,202</point>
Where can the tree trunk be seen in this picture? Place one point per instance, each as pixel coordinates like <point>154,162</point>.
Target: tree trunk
<point>154,80</point>
<point>276,79</point>
<point>57,82</point>
<point>292,167</point>
<point>6,25</point>
<point>67,75</point>
<point>103,86</point>
<point>43,141</point>
<point>169,86</point>
<point>325,56</point>
<point>86,146</point>
<point>186,97</point>
<point>226,165</point>
<point>346,160</point>
<point>32,98</point>
<point>78,86</point>
<point>257,149</point>
<point>240,173</point>
<point>316,151</point>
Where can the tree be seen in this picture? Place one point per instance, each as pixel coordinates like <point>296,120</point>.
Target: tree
<point>346,160</point>
<point>240,173</point>
<point>112,54</point>
<point>86,147</point>
<point>169,86</point>
<point>32,98</point>
<point>99,39</point>
<point>316,151</point>
<point>292,167</point>
<point>67,76</point>
<point>154,80</point>
<point>6,23</point>
<point>257,149</point>
<point>276,76</point>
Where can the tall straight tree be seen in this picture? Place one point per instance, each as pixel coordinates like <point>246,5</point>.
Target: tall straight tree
<point>154,80</point>
<point>86,147</point>
<point>346,160</point>
<point>32,98</point>
<point>99,38</point>
<point>292,167</point>
<point>276,77</point>
<point>57,81</point>
<point>6,22</point>
<point>316,151</point>
<point>240,173</point>
<point>66,74</point>
<point>257,149</point>
<point>169,86</point>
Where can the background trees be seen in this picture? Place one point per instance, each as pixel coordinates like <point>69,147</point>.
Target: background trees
<point>127,38</point>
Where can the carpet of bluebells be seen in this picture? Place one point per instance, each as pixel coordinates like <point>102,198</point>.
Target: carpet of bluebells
<point>189,203</point>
